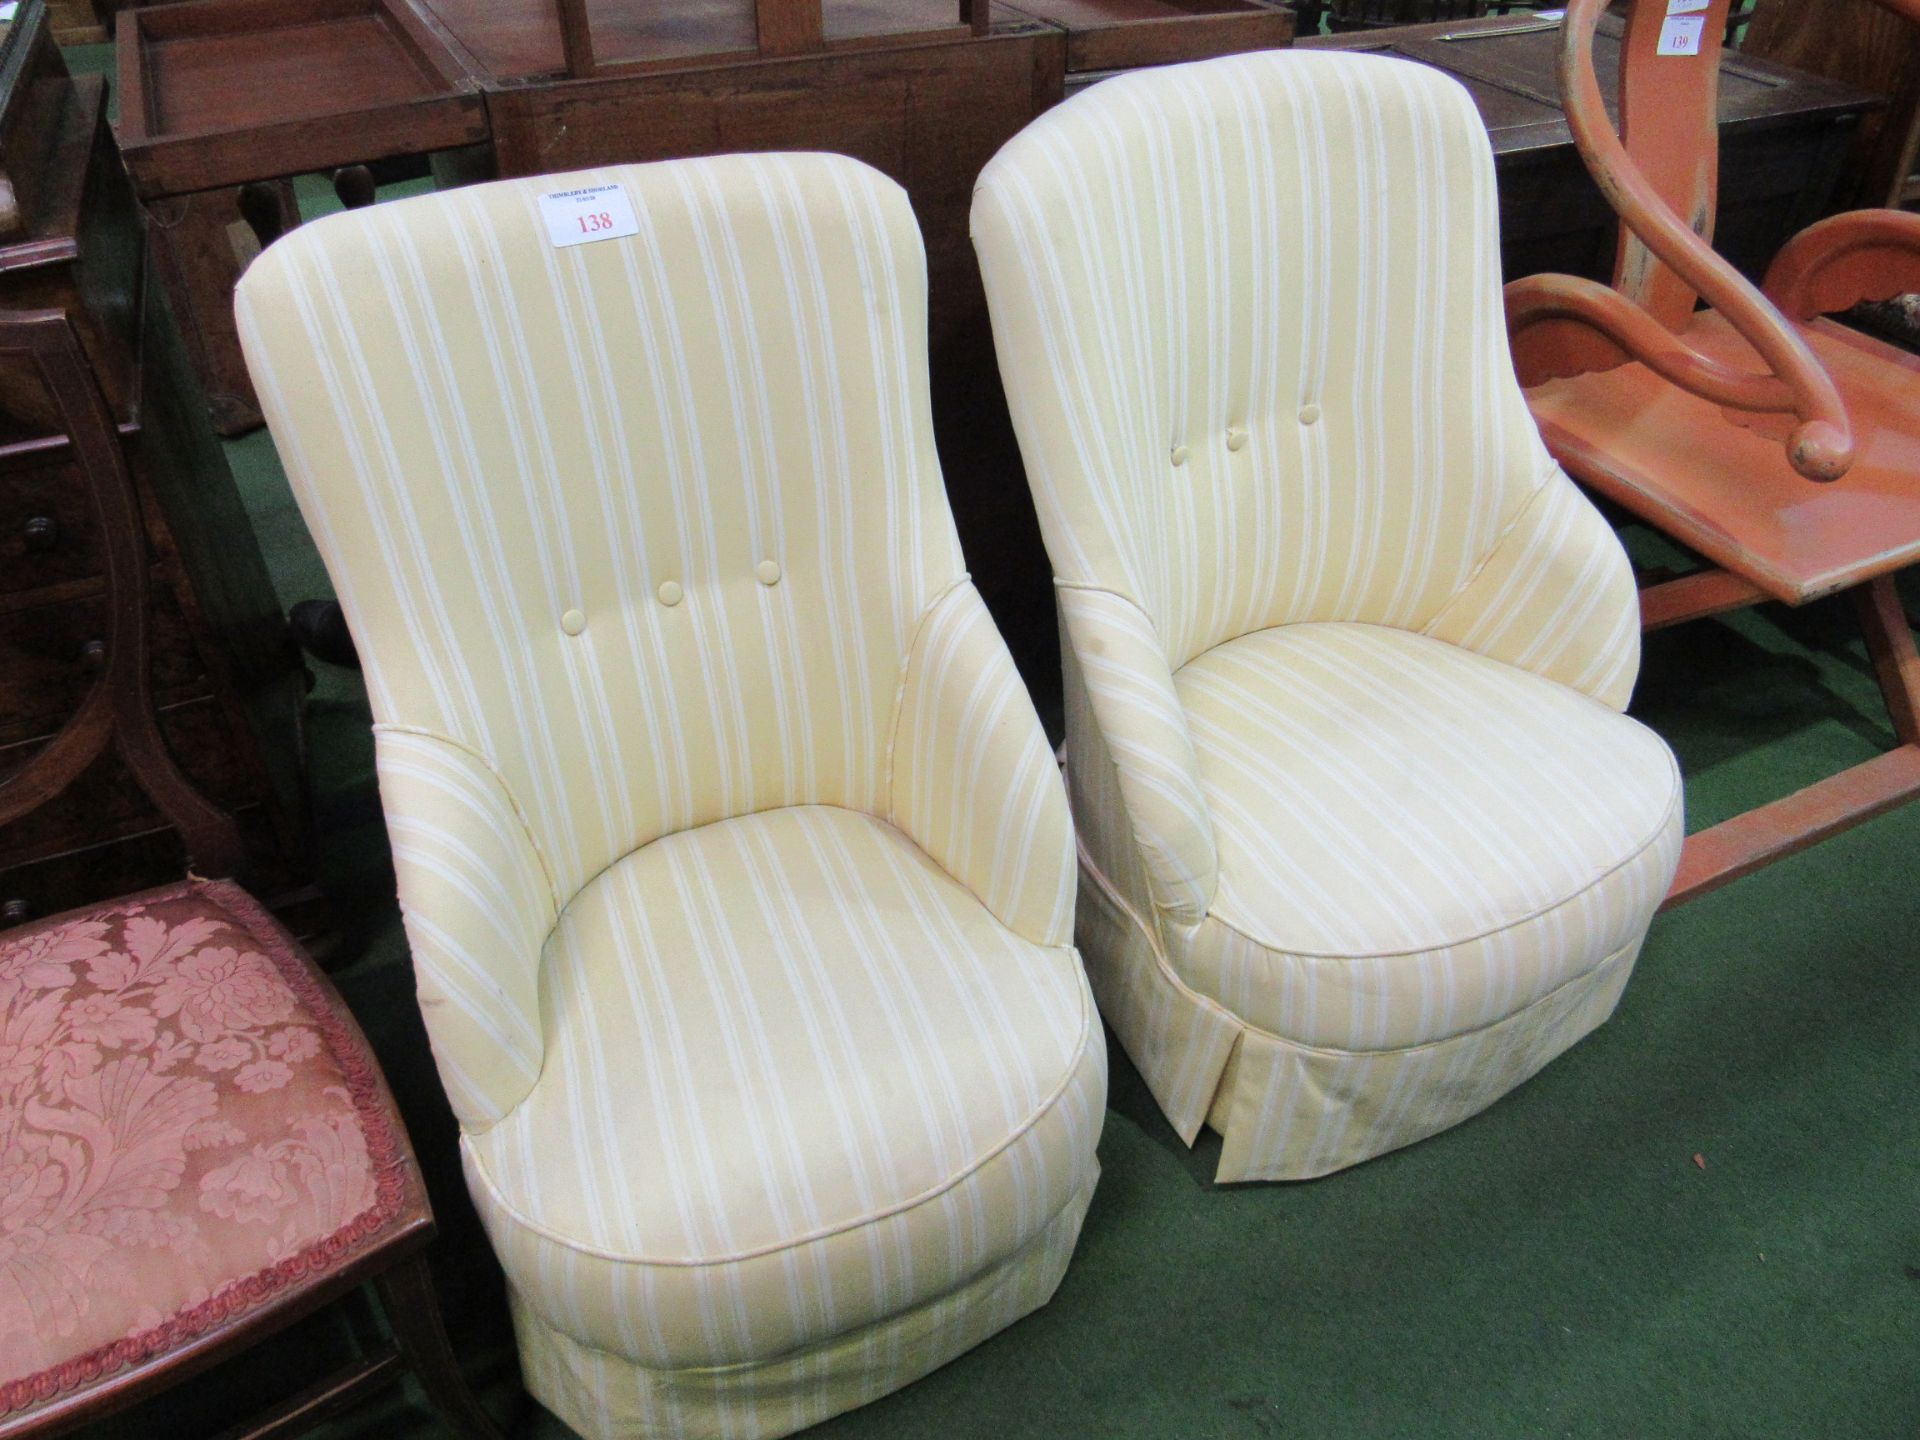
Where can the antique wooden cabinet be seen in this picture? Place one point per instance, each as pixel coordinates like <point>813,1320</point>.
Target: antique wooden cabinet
<point>1859,43</point>
<point>1124,34</point>
<point>216,96</point>
<point>225,682</point>
<point>1784,135</point>
<point>58,176</point>
<point>925,90</point>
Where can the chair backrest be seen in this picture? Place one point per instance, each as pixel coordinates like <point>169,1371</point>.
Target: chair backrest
<point>1669,99</point>
<point>643,523</point>
<point>1251,327</point>
<point>1670,126</point>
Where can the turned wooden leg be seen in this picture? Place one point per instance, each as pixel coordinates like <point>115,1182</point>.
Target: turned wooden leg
<point>413,1310</point>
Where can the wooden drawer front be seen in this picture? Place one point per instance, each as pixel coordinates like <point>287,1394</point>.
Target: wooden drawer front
<point>48,532</point>
<point>45,671</point>
<point>106,802</point>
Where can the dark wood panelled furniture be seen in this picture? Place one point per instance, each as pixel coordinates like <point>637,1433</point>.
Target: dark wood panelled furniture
<point>1123,34</point>
<point>148,690</point>
<point>58,176</point>
<point>1858,43</point>
<point>219,94</point>
<point>214,96</point>
<point>1783,134</point>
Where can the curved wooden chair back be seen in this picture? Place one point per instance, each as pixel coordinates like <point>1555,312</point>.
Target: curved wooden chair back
<point>1660,173</point>
<point>1773,366</point>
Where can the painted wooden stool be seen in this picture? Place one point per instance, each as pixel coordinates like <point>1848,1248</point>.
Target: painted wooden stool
<point>197,1148</point>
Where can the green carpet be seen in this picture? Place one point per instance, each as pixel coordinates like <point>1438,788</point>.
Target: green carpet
<point>1559,1266</point>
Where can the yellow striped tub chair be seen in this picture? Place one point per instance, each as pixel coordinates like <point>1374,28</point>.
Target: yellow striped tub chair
<point>1365,840</point>
<point>737,873</point>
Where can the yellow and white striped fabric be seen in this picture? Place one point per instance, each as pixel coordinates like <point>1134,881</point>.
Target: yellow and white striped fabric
<point>738,875</point>
<point>1364,838</point>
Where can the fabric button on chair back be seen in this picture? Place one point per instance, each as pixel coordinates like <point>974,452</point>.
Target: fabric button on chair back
<point>1365,841</point>
<point>736,870</point>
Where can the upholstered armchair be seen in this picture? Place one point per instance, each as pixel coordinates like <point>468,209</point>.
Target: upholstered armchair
<point>737,873</point>
<point>1365,840</point>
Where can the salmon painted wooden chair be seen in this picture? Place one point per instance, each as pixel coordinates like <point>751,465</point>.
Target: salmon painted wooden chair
<point>1782,447</point>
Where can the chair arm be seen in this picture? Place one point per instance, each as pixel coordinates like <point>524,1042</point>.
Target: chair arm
<point>1130,688</point>
<point>1821,446</point>
<point>478,905</point>
<point>1614,330</point>
<point>971,780</point>
<point>1555,595</point>
<point>1834,265</point>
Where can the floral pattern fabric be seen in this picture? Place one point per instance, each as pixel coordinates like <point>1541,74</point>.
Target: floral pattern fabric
<point>183,1111</point>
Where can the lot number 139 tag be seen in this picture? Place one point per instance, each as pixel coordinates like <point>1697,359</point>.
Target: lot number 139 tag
<point>1680,35</point>
<point>598,212</point>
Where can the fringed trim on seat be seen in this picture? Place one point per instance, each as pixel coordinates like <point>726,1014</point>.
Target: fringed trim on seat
<point>387,1150</point>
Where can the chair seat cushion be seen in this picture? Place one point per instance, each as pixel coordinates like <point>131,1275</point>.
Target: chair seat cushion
<point>797,1079</point>
<point>191,1128</point>
<point>1415,841</point>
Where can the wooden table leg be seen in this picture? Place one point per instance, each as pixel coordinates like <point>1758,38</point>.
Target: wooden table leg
<point>413,1310</point>
<point>201,244</point>
<point>1895,663</point>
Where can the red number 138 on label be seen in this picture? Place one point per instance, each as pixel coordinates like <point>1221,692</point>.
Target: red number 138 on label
<point>591,223</point>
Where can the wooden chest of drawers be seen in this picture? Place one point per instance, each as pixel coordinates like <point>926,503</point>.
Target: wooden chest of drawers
<point>224,679</point>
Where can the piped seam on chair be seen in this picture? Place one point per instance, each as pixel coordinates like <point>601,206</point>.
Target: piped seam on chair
<point>1062,583</point>
<point>931,1193</point>
<point>1335,1052</point>
<point>1169,907</point>
<point>1040,1233</point>
<point>588,883</point>
<point>1151,934</point>
<point>513,800</point>
<point>906,673</point>
<point>1640,849</point>
<point>1248,1027</point>
<point>1507,532</point>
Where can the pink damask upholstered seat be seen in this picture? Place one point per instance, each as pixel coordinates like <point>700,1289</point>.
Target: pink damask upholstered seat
<point>194,1139</point>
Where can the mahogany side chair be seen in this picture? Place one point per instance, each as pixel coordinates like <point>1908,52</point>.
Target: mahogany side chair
<point>197,1149</point>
